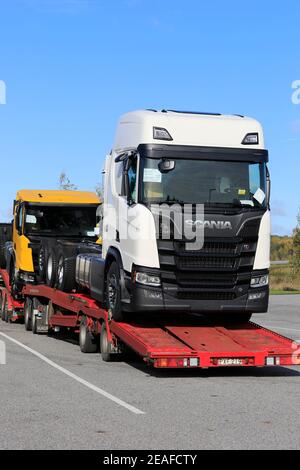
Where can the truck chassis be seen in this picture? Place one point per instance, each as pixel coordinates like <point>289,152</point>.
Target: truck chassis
<point>185,341</point>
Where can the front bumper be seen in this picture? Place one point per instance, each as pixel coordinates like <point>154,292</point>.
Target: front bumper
<point>146,299</point>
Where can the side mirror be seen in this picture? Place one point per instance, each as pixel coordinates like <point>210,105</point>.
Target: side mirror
<point>268,189</point>
<point>125,155</point>
<point>166,165</point>
<point>121,157</point>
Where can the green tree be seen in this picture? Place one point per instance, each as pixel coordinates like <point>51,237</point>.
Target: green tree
<point>296,246</point>
<point>98,189</point>
<point>65,183</point>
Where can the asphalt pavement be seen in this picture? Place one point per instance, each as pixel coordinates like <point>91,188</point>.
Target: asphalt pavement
<point>55,397</point>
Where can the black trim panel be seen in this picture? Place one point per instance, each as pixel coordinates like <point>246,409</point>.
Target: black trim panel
<point>203,153</point>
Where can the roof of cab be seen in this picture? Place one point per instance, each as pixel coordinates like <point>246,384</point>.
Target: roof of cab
<point>186,128</point>
<point>57,197</point>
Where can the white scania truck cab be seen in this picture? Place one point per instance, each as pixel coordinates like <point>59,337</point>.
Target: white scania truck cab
<point>185,159</point>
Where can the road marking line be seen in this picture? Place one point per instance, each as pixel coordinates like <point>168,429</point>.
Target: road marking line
<point>75,377</point>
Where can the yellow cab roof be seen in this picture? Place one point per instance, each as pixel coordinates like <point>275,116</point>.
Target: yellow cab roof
<point>57,197</point>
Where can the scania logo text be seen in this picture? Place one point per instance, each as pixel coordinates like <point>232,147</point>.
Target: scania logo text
<point>213,224</point>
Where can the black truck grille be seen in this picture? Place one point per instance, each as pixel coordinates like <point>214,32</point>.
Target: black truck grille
<point>206,295</point>
<point>221,270</point>
<point>224,247</point>
<point>204,280</point>
<point>192,262</point>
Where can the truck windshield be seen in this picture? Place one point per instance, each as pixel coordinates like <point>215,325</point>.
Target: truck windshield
<point>75,221</point>
<point>208,182</point>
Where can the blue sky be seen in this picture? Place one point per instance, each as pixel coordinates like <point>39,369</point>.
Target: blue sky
<point>71,67</point>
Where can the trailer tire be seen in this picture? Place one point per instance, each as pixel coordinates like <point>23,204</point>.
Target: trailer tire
<point>5,310</point>
<point>113,292</point>
<point>34,324</point>
<point>1,305</point>
<point>51,268</point>
<point>66,272</point>
<point>105,345</point>
<point>28,308</point>
<point>87,340</point>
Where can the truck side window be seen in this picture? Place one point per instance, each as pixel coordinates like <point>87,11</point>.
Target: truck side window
<point>132,176</point>
<point>19,219</point>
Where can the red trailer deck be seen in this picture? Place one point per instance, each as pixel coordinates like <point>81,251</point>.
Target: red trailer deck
<point>186,341</point>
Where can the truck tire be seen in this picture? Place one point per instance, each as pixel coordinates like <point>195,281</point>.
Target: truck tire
<point>113,292</point>
<point>87,340</point>
<point>28,309</point>
<point>2,257</point>
<point>105,346</point>
<point>66,272</point>
<point>51,270</point>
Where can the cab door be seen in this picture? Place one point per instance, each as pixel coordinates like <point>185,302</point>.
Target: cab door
<point>23,252</point>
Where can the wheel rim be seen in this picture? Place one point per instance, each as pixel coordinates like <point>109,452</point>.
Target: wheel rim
<point>112,291</point>
<point>49,268</point>
<point>60,271</point>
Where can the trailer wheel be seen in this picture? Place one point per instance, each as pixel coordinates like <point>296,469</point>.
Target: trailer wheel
<point>87,340</point>
<point>1,305</point>
<point>113,292</point>
<point>5,310</point>
<point>51,268</point>
<point>105,345</point>
<point>28,308</point>
<point>34,324</point>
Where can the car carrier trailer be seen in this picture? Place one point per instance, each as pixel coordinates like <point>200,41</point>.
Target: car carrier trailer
<point>169,342</point>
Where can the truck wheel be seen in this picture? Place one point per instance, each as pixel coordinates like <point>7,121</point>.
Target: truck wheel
<point>51,268</point>
<point>113,292</point>
<point>2,257</point>
<point>66,270</point>
<point>28,308</point>
<point>105,346</point>
<point>87,341</point>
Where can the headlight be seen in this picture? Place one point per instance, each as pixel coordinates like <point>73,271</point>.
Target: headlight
<point>147,279</point>
<point>27,277</point>
<point>260,281</point>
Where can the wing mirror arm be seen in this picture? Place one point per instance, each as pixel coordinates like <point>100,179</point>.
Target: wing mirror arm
<point>268,189</point>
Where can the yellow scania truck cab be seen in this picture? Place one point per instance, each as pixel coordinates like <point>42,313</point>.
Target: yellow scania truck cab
<point>42,218</point>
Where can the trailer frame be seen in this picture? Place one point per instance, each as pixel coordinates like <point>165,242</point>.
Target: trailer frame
<point>181,341</point>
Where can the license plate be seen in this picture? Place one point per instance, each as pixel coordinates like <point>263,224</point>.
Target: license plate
<point>230,362</point>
